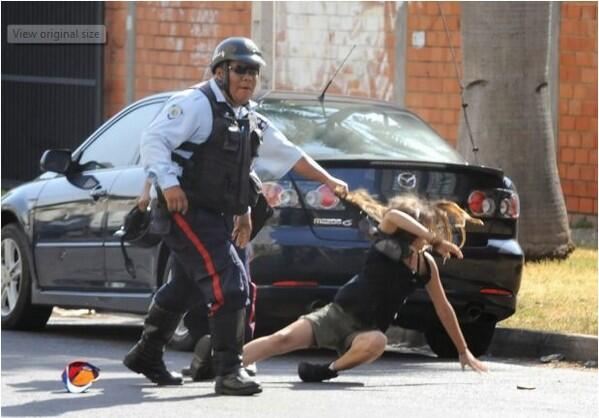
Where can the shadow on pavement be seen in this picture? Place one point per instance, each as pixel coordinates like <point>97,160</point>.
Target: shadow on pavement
<point>361,386</point>
<point>295,385</point>
<point>103,394</point>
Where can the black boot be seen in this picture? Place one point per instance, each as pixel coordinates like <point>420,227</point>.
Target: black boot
<point>201,367</point>
<point>315,372</point>
<point>146,356</point>
<point>201,362</point>
<point>227,345</point>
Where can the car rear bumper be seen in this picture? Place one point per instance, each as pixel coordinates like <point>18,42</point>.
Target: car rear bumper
<point>496,266</point>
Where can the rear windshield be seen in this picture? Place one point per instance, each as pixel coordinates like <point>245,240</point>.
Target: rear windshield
<point>346,130</point>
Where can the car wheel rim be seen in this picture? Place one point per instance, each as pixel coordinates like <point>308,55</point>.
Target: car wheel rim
<point>12,267</point>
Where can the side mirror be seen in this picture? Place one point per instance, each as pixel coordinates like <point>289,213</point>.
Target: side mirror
<point>56,160</point>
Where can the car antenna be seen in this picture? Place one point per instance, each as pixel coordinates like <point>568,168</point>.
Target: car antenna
<point>459,78</point>
<point>321,97</point>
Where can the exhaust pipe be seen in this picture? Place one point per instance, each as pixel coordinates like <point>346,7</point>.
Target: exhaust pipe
<point>474,312</point>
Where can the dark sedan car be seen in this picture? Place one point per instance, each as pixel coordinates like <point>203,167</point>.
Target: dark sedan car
<point>59,248</point>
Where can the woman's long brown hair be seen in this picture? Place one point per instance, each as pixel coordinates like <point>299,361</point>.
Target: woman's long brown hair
<point>440,216</point>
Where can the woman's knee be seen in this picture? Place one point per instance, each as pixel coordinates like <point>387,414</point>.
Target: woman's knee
<point>380,342</point>
<point>373,343</point>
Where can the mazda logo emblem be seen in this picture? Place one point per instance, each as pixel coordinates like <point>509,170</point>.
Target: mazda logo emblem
<point>406,180</point>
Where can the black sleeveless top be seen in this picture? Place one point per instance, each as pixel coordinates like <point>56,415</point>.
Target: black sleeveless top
<point>376,294</point>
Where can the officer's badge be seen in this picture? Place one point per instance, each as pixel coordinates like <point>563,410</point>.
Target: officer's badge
<point>262,124</point>
<point>174,112</point>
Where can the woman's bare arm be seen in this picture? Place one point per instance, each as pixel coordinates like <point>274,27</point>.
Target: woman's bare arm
<point>448,318</point>
<point>396,219</point>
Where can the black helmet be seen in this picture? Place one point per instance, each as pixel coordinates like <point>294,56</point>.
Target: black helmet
<point>237,49</point>
<point>136,229</point>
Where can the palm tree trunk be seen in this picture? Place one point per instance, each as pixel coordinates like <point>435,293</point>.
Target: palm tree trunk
<point>506,56</point>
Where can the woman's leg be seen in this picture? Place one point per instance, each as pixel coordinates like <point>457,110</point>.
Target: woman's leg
<point>365,348</point>
<point>295,336</point>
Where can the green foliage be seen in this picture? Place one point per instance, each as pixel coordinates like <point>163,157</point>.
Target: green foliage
<point>582,223</point>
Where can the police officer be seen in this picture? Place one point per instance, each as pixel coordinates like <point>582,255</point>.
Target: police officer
<point>199,151</point>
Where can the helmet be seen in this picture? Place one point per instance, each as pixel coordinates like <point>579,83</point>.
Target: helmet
<point>237,49</point>
<point>78,376</point>
<point>136,229</point>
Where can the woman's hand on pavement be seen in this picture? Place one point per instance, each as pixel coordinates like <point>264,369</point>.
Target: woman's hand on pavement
<point>468,359</point>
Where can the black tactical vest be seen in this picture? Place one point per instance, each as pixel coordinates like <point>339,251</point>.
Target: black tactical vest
<point>216,177</point>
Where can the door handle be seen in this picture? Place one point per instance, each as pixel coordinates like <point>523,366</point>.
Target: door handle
<point>98,192</point>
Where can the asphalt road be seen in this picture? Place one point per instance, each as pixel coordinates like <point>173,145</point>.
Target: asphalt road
<point>406,383</point>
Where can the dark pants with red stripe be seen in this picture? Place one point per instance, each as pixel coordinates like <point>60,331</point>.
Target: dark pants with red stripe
<point>196,319</point>
<point>207,267</point>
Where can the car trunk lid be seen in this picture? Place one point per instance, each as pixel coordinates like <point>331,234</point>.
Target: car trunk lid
<point>383,180</point>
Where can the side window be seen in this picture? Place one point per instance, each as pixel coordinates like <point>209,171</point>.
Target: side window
<point>118,145</point>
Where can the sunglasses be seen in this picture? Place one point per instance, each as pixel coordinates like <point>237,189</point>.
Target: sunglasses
<point>243,70</point>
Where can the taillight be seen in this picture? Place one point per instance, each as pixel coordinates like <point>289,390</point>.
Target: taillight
<point>322,198</point>
<point>480,204</point>
<point>279,196</point>
<point>494,202</point>
<point>510,206</point>
<point>315,195</point>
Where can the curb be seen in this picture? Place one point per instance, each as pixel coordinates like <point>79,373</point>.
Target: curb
<point>516,343</point>
<point>509,342</point>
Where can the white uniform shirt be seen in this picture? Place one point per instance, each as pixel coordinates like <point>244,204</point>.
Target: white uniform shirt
<point>187,116</point>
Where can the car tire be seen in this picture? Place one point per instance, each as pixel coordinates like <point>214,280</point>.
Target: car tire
<point>182,339</point>
<point>478,336</point>
<point>17,311</point>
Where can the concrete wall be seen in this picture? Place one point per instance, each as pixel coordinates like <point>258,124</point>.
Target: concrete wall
<point>312,38</point>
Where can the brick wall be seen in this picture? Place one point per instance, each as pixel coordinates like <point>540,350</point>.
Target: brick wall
<point>174,44</point>
<point>114,57</point>
<point>433,92</point>
<point>577,132</point>
<point>432,87</point>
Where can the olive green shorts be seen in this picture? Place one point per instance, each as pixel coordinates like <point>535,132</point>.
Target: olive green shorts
<point>334,328</point>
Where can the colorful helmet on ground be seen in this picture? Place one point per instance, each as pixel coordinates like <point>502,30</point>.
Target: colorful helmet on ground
<point>237,49</point>
<point>78,376</point>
